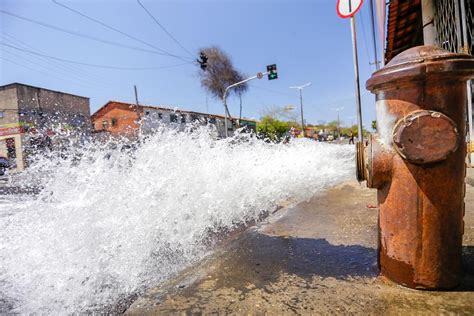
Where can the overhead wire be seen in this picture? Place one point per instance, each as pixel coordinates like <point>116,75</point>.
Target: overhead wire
<point>270,90</point>
<point>56,72</point>
<point>60,29</point>
<point>164,29</point>
<point>365,37</point>
<point>93,65</point>
<point>69,67</point>
<point>337,101</point>
<point>116,30</point>
<point>59,67</point>
<point>39,71</point>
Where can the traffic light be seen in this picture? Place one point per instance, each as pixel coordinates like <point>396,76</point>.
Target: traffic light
<point>272,72</point>
<point>203,61</point>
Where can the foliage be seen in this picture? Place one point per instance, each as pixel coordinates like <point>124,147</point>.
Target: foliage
<point>283,113</point>
<point>348,130</point>
<point>220,73</point>
<point>374,125</point>
<point>272,128</point>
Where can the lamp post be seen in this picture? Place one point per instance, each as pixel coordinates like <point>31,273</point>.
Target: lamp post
<point>259,75</point>
<point>338,121</point>
<point>300,88</point>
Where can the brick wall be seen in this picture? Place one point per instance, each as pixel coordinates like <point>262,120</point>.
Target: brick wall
<point>118,119</point>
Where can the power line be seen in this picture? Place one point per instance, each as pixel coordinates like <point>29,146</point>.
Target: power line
<point>339,101</point>
<point>37,70</point>
<point>116,30</point>
<point>69,67</point>
<point>333,102</point>
<point>59,67</point>
<point>85,35</point>
<point>165,30</point>
<point>270,90</point>
<point>49,69</point>
<point>92,65</point>
<point>365,38</point>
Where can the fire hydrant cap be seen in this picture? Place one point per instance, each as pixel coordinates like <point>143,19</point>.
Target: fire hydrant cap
<point>422,62</point>
<point>425,136</point>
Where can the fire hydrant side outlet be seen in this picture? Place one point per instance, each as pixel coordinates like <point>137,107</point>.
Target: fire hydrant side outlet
<point>417,164</point>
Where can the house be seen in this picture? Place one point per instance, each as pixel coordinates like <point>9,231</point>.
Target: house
<point>30,116</point>
<point>120,119</point>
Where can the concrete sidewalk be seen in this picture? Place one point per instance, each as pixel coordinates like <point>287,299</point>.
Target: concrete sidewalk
<point>317,257</point>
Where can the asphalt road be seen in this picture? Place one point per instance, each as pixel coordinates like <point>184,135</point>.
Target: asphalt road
<point>317,257</point>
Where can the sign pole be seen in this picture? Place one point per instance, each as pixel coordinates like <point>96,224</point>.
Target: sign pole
<point>347,9</point>
<point>357,84</point>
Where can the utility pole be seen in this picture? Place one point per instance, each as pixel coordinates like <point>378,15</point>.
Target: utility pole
<point>300,88</point>
<point>139,120</point>
<point>240,97</point>
<point>136,95</point>
<point>372,20</point>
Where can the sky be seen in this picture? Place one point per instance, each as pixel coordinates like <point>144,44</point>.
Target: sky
<point>307,40</point>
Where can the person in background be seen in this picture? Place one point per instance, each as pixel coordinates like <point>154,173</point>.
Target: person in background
<point>351,139</point>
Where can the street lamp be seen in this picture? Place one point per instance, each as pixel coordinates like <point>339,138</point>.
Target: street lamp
<point>288,108</point>
<point>301,102</point>
<point>338,121</point>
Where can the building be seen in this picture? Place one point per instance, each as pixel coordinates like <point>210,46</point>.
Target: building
<point>30,116</point>
<point>118,119</point>
<point>121,119</point>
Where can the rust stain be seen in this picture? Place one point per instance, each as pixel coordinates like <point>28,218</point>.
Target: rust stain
<point>420,177</point>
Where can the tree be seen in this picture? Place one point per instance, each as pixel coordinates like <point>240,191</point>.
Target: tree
<point>284,113</point>
<point>374,125</point>
<point>220,73</point>
<point>272,128</point>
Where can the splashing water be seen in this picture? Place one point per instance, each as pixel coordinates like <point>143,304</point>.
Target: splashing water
<point>115,221</point>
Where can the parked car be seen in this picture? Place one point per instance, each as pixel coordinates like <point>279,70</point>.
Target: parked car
<point>4,165</point>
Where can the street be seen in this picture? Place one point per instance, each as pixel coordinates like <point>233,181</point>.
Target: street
<point>317,257</point>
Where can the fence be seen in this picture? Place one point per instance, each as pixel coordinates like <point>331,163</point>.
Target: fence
<point>453,20</point>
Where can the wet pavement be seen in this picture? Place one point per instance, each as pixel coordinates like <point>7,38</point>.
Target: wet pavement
<point>317,257</point>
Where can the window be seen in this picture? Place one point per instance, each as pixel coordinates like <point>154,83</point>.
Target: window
<point>114,121</point>
<point>105,124</point>
<point>2,114</point>
<point>11,151</point>
<point>147,112</point>
<point>183,118</point>
<point>160,115</point>
<point>173,118</point>
<point>194,118</point>
<point>212,120</point>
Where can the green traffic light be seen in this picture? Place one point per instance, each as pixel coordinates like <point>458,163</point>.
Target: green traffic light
<point>272,72</point>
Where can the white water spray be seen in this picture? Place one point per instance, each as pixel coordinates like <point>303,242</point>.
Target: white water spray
<point>114,222</point>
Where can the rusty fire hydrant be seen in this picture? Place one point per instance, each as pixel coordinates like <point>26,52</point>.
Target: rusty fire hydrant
<point>416,161</point>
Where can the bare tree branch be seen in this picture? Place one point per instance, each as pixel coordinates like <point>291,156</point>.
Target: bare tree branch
<point>220,73</point>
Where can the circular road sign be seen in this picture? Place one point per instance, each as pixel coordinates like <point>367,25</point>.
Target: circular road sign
<point>347,8</point>
<point>259,75</point>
